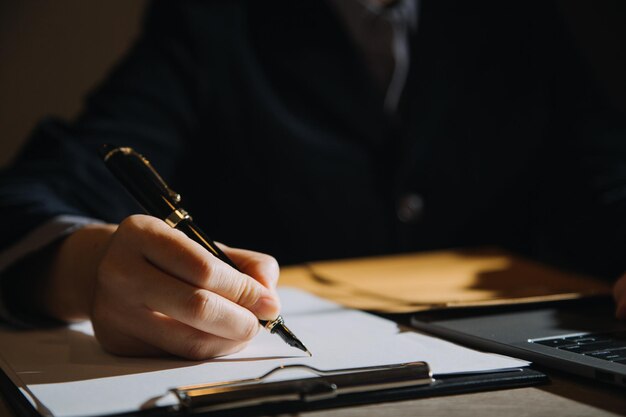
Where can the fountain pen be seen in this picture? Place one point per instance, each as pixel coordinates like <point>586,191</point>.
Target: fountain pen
<point>144,183</point>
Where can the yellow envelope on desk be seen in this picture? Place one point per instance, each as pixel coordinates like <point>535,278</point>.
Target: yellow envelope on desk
<point>445,279</point>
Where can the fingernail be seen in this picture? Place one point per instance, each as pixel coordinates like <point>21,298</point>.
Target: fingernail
<point>267,307</point>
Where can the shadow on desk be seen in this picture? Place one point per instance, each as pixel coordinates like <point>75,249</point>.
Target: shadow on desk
<point>67,354</point>
<point>585,391</point>
<point>519,278</point>
<point>73,354</point>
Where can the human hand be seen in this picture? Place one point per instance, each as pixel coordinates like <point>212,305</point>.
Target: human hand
<point>619,293</point>
<point>155,291</point>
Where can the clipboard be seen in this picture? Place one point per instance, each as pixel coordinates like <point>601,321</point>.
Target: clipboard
<point>370,360</point>
<point>328,389</point>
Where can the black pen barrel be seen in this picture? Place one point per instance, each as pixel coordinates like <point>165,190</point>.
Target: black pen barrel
<point>188,227</point>
<point>140,180</point>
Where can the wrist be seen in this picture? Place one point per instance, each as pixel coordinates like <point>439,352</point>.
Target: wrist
<point>69,278</point>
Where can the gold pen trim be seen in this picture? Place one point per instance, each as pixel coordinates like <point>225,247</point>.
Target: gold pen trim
<point>176,217</point>
<point>273,323</point>
<point>125,150</point>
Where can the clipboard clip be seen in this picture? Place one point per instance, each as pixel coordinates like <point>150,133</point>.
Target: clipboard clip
<point>321,385</point>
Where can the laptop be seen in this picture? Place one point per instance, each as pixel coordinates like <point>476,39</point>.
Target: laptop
<point>581,337</point>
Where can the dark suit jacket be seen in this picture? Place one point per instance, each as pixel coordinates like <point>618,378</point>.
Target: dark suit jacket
<point>264,117</point>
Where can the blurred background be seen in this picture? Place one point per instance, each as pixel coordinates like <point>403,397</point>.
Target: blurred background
<point>53,52</point>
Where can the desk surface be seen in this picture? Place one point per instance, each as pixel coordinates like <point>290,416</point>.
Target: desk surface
<point>565,395</point>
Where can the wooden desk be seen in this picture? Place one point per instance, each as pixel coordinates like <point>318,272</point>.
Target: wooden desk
<point>566,395</point>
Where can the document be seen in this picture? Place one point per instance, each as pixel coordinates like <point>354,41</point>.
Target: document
<point>65,373</point>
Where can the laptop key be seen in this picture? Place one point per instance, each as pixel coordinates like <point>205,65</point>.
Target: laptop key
<point>572,348</point>
<point>606,346</point>
<point>587,338</point>
<point>609,355</point>
<point>598,346</point>
<point>555,342</point>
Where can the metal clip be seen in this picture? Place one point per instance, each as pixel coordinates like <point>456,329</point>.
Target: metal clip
<point>326,385</point>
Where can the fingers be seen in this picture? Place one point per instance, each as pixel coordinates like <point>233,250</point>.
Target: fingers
<point>198,308</point>
<point>174,253</point>
<point>151,334</point>
<point>619,293</point>
<point>264,268</point>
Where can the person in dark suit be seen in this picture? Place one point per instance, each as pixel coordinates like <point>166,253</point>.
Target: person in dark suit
<point>311,130</point>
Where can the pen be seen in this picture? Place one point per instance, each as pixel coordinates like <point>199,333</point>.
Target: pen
<point>150,190</point>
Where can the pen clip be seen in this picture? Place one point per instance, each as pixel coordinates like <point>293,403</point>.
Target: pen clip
<point>130,151</point>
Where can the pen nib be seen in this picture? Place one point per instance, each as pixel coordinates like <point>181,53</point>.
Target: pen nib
<point>289,338</point>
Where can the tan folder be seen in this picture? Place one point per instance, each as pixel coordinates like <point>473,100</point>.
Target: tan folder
<point>444,279</point>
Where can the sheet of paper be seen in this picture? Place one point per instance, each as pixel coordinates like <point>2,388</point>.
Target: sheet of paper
<point>70,375</point>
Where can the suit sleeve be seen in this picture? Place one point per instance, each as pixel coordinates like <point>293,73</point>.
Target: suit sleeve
<point>148,101</point>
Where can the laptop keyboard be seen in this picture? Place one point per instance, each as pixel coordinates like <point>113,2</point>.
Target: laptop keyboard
<point>607,346</point>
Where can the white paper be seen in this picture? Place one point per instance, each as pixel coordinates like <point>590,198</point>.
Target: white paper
<point>71,376</point>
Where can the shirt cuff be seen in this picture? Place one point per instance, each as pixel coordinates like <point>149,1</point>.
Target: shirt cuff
<point>42,236</point>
